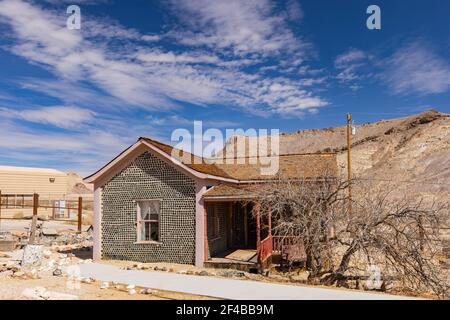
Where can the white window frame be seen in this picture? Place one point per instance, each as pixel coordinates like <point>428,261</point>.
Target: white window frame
<point>140,222</point>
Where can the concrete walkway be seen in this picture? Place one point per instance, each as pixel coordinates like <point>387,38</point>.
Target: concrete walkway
<point>222,288</point>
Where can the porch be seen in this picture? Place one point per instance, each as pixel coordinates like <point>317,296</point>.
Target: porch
<point>235,237</point>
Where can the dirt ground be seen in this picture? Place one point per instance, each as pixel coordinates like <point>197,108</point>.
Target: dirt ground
<point>14,279</point>
<point>57,255</point>
<point>13,289</point>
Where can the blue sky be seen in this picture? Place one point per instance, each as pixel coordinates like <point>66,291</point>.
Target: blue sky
<point>73,99</point>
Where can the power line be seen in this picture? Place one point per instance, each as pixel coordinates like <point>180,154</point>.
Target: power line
<point>404,181</point>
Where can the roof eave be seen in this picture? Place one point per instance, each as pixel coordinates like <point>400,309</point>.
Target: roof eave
<point>142,142</point>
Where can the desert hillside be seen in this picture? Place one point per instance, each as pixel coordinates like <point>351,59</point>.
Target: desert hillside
<point>412,152</point>
<point>75,184</point>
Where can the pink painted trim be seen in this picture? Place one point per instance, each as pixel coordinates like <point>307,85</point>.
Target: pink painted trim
<point>97,223</point>
<point>115,165</point>
<point>200,189</point>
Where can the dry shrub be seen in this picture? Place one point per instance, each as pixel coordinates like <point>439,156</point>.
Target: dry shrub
<point>343,239</point>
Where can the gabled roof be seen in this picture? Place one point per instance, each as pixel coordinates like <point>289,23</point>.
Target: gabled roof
<point>290,166</point>
<point>308,165</point>
<point>192,161</point>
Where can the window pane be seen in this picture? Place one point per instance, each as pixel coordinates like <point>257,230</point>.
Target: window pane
<point>148,220</point>
<point>149,208</point>
<point>141,232</point>
<point>154,231</point>
<point>145,210</point>
<point>147,231</point>
<point>154,207</point>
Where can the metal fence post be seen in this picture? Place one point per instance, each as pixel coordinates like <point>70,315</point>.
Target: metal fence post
<point>0,209</point>
<point>34,220</point>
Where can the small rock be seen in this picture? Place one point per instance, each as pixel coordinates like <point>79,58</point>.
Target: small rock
<point>48,232</point>
<point>57,272</point>
<point>132,291</point>
<point>302,277</point>
<point>160,268</point>
<point>203,273</point>
<point>47,253</point>
<point>232,273</point>
<point>182,272</point>
<point>387,285</point>
<point>147,291</point>
<point>32,274</point>
<point>105,285</point>
<point>19,274</point>
<point>87,280</point>
<point>32,255</point>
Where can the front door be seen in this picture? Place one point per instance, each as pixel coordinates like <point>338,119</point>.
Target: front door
<point>237,225</point>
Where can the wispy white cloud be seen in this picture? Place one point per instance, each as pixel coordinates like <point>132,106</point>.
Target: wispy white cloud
<point>67,117</point>
<point>76,1</point>
<point>242,27</point>
<point>153,78</point>
<point>106,73</point>
<point>349,65</point>
<point>177,120</point>
<point>294,10</point>
<point>416,69</point>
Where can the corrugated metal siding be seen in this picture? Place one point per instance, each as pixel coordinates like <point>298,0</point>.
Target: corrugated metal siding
<point>32,182</point>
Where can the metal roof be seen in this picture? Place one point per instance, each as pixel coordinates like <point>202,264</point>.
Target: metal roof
<point>30,170</point>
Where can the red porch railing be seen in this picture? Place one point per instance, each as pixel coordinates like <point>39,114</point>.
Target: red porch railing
<point>280,241</point>
<point>265,249</point>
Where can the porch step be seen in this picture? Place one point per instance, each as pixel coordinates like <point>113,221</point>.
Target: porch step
<point>241,266</point>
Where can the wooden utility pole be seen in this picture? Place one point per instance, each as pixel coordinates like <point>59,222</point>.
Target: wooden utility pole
<point>34,220</point>
<point>80,213</point>
<point>349,163</point>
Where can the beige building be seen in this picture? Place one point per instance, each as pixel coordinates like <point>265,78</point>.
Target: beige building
<point>18,183</point>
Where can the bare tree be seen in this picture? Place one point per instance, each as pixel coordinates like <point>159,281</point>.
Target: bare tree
<point>397,234</point>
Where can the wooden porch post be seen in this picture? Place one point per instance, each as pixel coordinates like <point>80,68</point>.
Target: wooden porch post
<point>270,221</point>
<point>205,224</point>
<point>246,225</point>
<point>258,229</point>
